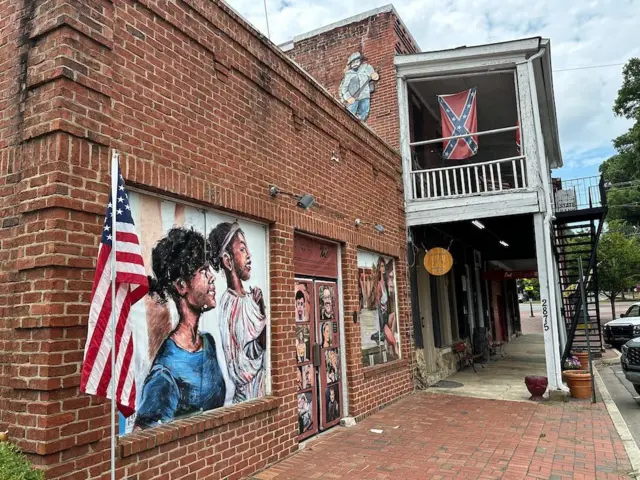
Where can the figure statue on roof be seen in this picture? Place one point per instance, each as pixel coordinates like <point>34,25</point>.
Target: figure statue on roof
<point>357,85</point>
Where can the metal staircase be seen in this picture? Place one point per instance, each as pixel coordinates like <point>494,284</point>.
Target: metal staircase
<point>577,230</point>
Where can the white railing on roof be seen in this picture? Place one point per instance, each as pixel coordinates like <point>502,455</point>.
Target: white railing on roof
<point>493,176</point>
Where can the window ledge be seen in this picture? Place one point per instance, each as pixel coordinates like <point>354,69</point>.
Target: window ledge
<point>374,371</point>
<point>142,440</point>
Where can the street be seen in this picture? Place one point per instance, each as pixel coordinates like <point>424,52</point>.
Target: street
<point>624,396</point>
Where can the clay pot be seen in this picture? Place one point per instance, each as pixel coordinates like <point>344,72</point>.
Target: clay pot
<point>579,383</point>
<point>584,359</point>
<point>536,385</point>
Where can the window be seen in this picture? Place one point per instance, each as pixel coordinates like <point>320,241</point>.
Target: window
<point>634,311</point>
<point>378,308</point>
<point>220,263</point>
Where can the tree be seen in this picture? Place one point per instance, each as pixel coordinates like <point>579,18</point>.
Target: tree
<point>618,264</point>
<point>532,288</point>
<point>624,167</point>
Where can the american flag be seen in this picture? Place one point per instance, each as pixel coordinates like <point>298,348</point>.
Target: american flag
<point>131,286</point>
<point>458,114</point>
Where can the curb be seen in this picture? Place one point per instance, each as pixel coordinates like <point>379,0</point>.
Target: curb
<point>633,452</point>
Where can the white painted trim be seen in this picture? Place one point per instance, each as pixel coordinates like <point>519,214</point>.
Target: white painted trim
<point>470,74</point>
<point>528,141</point>
<point>405,135</point>
<point>494,200</point>
<point>268,389</point>
<point>343,353</point>
<point>449,67</point>
<point>517,47</point>
<point>474,134</point>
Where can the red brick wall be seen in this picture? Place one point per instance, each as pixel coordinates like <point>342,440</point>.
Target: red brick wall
<point>378,38</point>
<point>203,110</point>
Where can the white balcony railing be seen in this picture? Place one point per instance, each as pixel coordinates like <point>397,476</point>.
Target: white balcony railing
<point>505,174</point>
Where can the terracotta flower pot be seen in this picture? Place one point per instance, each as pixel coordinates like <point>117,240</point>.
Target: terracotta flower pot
<point>584,359</point>
<point>579,383</point>
<point>536,385</point>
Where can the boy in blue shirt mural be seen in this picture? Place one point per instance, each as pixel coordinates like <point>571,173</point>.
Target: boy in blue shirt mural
<point>185,376</point>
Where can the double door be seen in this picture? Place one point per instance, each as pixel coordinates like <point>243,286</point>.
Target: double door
<point>317,356</point>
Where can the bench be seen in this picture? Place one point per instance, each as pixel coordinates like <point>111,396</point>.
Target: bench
<point>466,357</point>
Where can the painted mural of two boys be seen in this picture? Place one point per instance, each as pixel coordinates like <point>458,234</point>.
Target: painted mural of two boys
<point>186,375</point>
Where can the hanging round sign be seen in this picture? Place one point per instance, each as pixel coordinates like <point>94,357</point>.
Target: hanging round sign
<point>438,261</point>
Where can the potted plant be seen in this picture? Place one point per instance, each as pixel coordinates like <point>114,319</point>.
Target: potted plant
<point>578,379</point>
<point>583,357</point>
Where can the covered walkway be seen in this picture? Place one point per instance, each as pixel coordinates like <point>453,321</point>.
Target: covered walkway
<point>503,377</point>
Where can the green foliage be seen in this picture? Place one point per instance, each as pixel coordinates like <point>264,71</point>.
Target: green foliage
<point>527,284</point>
<point>618,262</point>
<point>628,102</point>
<point>14,466</point>
<point>624,166</point>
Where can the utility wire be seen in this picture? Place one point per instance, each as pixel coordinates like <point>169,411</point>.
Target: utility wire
<point>588,67</point>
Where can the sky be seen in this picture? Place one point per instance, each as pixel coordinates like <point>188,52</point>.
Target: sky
<point>583,33</point>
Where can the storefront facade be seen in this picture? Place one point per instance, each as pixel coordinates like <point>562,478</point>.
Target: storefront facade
<point>236,168</point>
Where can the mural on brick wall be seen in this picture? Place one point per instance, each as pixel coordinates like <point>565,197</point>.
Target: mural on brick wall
<point>201,333</point>
<point>357,86</point>
<point>378,308</point>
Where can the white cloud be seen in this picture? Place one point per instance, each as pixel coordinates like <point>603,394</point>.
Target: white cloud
<point>582,33</point>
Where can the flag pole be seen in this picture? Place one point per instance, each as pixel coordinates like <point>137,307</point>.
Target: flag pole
<point>114,197</point>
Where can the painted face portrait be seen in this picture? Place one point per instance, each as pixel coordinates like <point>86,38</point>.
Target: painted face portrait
<point>241,257</point>
<point>327,303</point>
<point>199,292</point>
<point>300,307</point>
<point>326,335</point>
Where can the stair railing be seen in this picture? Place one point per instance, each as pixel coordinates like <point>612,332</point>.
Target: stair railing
<point>582,301</point>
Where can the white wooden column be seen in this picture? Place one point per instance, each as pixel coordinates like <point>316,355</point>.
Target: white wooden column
<point>405,137</point>
<point>549,315</point>
<point>528,139</point>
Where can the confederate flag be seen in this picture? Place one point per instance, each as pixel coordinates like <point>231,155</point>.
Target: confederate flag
<point>458,114</point>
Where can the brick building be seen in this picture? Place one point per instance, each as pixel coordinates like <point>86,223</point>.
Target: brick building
<point>378,35</point>
<point>207,116</point>
<point>490,211</point>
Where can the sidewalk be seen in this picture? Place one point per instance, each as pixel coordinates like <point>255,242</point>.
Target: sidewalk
<point>503,377</point>
<point>435,436</point>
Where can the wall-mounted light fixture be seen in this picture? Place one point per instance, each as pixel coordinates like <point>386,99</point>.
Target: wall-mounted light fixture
<point>504,244</point>
<point>378,227</point>
<point>305,201</point>
<point>478,224</point>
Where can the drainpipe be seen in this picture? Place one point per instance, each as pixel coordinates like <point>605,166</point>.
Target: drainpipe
<point>551,275</point>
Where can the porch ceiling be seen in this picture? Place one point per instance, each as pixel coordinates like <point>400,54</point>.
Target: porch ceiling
<point>516,230</point>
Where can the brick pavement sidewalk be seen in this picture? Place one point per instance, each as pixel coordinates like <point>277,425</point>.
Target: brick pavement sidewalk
<point>431,436</point>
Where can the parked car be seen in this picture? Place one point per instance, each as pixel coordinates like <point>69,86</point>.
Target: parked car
<point>630,361</point>
<point>520,297</point>
<point>627,327</point>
